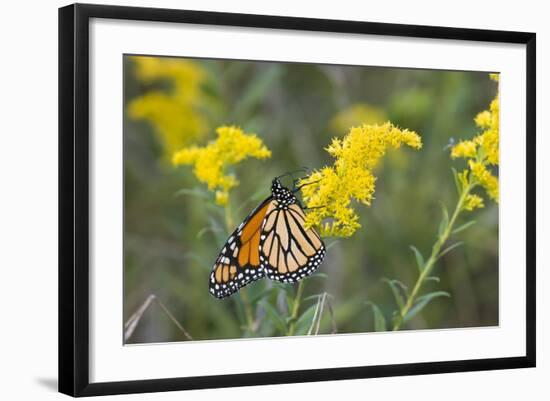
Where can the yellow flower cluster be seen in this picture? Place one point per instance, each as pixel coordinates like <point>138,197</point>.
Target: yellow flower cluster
<point>473,202</point>
<point>484,177</point>
<point>482,152</point>
<point>464,149</point>
<point>329,192</point>
<point>211,161</point>
<point>174,113</point>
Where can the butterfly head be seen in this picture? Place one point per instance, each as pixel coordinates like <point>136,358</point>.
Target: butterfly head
<point>282,194</point>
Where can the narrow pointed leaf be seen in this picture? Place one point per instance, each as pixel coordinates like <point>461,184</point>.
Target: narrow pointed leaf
<point>198,192</point>
<point>255,92</point>
<point>274,316</point>
<point>304,321</point>
<point>315,297</point>
<point>419,258</point>
<point>404,289</point>
<point>261,294</point>
<point>206,229</point>
<point>379,319</point>
<point>396,292</point>
<point>444,211</point>
<point>457,182</point>
<point>289,301</point>
<point>422,301</point>
<point>464,226</point>
<point>449,249</point>
<point>444,220</point>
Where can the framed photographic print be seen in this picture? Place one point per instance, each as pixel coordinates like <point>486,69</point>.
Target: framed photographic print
<point>306,199</point>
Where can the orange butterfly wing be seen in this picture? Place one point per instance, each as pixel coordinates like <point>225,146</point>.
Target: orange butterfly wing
<point>289,251</point>
<point>272,241</point>
<point>238,263</point>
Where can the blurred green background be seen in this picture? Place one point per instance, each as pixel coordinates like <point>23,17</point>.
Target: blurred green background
<point>171,239</point>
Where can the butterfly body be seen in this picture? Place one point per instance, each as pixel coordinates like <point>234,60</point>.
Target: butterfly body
<point>271,242</point>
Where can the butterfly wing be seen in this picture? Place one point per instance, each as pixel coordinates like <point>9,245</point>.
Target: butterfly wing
<point>238,263</point>
<point>288,250</point>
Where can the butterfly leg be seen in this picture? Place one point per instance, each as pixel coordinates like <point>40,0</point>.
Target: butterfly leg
<point>314,207</point>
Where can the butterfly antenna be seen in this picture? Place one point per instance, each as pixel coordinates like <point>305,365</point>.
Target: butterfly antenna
<point>304,185</point>
<point>292,172</point>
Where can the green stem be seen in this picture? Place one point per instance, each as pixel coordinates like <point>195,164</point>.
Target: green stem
<point>428,266</point>
<point>248,311</point>
<point>295,308</point>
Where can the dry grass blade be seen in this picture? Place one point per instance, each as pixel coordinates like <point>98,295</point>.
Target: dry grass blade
<point>132,322</point>
<point>323,300</point>
<point>332,318</point>
<point>318,315</point>
<point>314,316</point>
<point>174,320</point>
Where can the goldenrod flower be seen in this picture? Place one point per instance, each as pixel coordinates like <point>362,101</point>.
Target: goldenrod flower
<point>222,197</point>
<point>464,149</point>
<point>482,152</point>
<point>175,113</point>
<point>484,178</point>
<point>473,202</point>
<point>329,192</point>
<point>185,75</point>
<point>483,119</point>
<point>211,161</point>
<point>489,138</point>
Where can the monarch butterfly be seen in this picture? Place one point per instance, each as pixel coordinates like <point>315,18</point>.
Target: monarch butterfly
<point>272,241</point>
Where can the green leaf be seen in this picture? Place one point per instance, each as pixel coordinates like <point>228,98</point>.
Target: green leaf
<point>198,192</point>
<point>304,321</point>
<point>280,285</point>
<point>206,229</point>
<point>285,290</point>
<point>457,181</point>
<point>422,301</point>
<point>379,319</point>
<point>218,230</point>
<point>316,297</point>
<point>441,228</point>
<point>289,301</point>
<point>445,212</point>
<point>255,92</point>
<point>449,249</point>
<point>419,258</point>
<point>259,195</point>
<point>256,297</point>
<point>274,316</point>
<point>404,288</point>
<point>433,278</point>
<point>395,317</point>
<point>464,226</point>
<point>444,220</point>
<point>396,292</point>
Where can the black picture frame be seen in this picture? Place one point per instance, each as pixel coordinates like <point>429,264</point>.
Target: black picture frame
<point>74,194</point>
